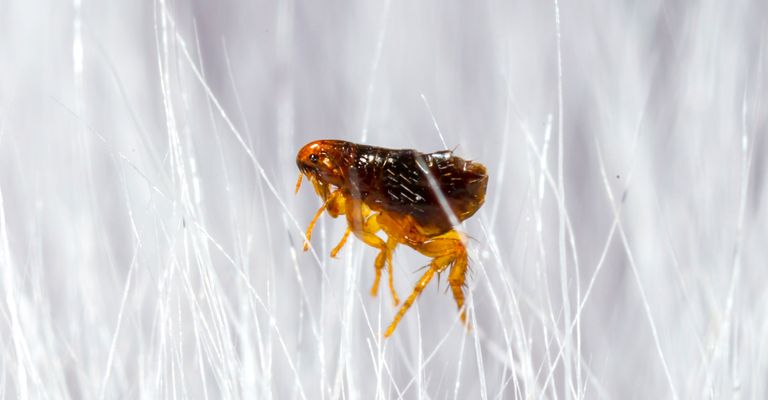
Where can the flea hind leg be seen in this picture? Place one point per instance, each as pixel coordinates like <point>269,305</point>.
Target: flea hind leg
<point>446,251</point>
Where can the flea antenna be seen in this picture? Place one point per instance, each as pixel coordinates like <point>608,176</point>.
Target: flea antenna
<point>298,183</point>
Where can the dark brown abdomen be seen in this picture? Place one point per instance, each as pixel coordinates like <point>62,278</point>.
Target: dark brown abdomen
<point>398,181</point>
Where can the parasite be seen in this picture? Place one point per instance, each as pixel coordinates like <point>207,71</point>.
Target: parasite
<point>411,197</point>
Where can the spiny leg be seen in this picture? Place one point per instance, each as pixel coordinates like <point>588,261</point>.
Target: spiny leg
<point>433,267</point>
<point>456,280</point>
<point>446,250</point>
<point>451,244</point>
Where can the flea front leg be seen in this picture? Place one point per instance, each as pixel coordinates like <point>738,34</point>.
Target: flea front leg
<point>335,205</point>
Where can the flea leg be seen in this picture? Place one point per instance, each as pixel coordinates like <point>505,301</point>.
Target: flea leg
<point>446,251</point>
<point>338,247</point>
<point>434,266</point>
<point>312,226</point>
<point>365,228</point>
<point>335,205</point>
<point>371,226</point>
<point>451,245</point>
<point>456,280</point>
<point>374,241</point>
<point>385,255</point>
<point>391,244</point>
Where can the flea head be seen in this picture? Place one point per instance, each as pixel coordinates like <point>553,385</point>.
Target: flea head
<point>321,162</point>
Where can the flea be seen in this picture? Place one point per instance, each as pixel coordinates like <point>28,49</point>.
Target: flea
<point>404,194</point>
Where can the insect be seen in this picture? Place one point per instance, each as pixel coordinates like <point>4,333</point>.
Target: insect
<point>411,196</point>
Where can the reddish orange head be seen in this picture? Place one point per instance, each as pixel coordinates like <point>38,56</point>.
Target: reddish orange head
<point>322,162</point>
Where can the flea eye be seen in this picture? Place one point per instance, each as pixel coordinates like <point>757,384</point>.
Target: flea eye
<point>313,157</point>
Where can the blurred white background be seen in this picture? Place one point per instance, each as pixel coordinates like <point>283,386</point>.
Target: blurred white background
<point>150,240</point>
